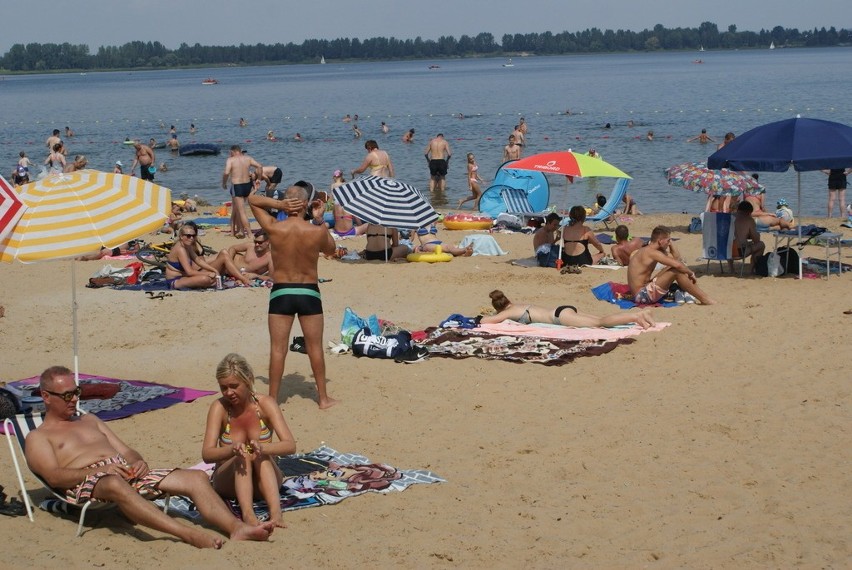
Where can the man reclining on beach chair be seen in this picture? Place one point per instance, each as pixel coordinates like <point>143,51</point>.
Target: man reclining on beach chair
<point>83,457</point>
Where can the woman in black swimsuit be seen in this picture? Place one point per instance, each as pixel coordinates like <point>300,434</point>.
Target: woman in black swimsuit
<point>565,315</point>
<point>576,238</point>
<point>383,244</point>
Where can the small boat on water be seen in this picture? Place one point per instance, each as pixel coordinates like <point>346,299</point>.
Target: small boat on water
<point>509,63</point>
<point>433,66</point>
<point>772,45</point>
<point>198,149</point>
<point>697,61</point>
<point>210,81</point>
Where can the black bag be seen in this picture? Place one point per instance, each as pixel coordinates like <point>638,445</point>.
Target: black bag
<point>761,265</point>
<point>9,404</point>
<point>789,260</point>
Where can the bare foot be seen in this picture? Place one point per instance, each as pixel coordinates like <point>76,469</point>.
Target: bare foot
<point>326,403</point>
<point>2,311</point>
<point>259,532</point>
<point>203,540</point>
<point>468,251</point>
<point>279,523</point>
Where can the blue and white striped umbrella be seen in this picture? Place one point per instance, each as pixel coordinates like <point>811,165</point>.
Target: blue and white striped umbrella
<point>385,202</point>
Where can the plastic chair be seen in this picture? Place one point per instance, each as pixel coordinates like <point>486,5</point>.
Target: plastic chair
<point>518,204</point>
<point>17,428</point>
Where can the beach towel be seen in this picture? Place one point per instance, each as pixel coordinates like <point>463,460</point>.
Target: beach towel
<point>482,245</point>
<point>620,294</point>
<point>133,396</point>
<point>462,343</point>
<point>323,476</point>
<point>544,330</point>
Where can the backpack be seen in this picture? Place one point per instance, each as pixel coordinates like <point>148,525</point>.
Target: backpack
<point>695,225</point>
<point>375,346</point>
<point>789,260</point>
<point>761,265</point>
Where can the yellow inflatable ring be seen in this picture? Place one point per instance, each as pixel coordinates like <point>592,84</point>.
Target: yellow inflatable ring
<point>467,222</point>
<point>430,257</point>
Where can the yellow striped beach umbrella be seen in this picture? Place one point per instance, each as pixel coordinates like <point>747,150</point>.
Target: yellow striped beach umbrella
<point>76,213</point>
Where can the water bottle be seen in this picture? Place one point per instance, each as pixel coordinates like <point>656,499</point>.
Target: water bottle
<point>219,282</point>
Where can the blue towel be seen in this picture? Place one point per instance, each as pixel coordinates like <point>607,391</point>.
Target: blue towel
<point>605,292</point>
<point>482,245</point>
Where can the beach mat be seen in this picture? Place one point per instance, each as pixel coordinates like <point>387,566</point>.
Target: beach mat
<point>619,294</point>
<point>323,476</point>
<point>215,221</point>
<point>133,396</point>
<point>472,343</point>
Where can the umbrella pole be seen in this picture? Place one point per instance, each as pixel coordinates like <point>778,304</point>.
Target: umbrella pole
<point>74,322</point>
<point>799,218</point>
<point>386,244</point>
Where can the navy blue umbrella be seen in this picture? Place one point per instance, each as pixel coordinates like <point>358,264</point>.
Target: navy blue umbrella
<point>804,144</point>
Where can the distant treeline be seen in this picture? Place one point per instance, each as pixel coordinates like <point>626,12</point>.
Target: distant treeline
<point>134,55</point>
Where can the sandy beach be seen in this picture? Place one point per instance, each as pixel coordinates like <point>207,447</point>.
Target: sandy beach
<point>715,443</point>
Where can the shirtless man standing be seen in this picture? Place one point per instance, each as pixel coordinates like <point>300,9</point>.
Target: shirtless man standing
<point>53,140</point>
<point>237,169</point>
<point>296,245</point>
<point>438,156</point>
<point>145,159</point>
<point>511,151</point>
<point>647,288</point>
<point>81,455</point>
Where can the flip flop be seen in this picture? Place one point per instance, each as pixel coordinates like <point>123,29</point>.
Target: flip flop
<point>159,295</point>
<point>14,508</point>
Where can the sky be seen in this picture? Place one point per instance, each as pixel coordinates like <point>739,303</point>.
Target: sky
<point>232,22</point>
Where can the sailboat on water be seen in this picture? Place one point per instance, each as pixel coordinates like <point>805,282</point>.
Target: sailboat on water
<point>509,63</point>
<point>772,45</point>
<point>322,60</point>
<point>700,48</point>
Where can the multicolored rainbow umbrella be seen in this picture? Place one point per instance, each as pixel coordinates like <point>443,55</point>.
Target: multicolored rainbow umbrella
<point>695,176</point>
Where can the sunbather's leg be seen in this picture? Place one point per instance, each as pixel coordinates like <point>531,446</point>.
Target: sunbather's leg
<point>194,484</point>
<point>268,481</point>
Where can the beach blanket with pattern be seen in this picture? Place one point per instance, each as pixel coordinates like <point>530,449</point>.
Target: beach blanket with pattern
<point>133,396</point>
<point>467,343</point>
<point>322,477</point>
<point>620,294</point>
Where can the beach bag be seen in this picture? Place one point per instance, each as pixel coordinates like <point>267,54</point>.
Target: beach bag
<point>773,265</point>
<point>352,323</point>
<point>9,404</point>
<point>364,343</point>
<point>789,259</point>
<point>761,265</point>
<point>695,225</point>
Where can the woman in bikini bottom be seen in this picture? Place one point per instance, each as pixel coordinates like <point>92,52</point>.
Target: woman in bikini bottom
<point>527,314</point>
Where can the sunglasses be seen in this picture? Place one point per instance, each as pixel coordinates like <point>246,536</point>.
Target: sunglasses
<point>187,235</point>
<point>261,242</point>
<point>69,395</point>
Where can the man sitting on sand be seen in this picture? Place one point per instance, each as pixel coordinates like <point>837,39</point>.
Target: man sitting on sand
<point>296,244</point>
<point>647,288</point>
<point>745,233</point>
<point>256,261</point>
<point>80,455</point>
<point>544,241</point>
<point>624,247</point>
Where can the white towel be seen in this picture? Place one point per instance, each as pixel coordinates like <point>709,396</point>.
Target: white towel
<point>482,245</point>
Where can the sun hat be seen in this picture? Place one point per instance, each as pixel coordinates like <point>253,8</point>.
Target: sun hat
<point>118,163</point>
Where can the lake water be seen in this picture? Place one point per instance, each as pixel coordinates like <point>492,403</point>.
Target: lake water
<point>664,92</point>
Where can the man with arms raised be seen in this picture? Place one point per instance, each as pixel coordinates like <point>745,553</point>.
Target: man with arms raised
<point>296,245</point>
<point>647,288</point>
<point>438,156</point>
<point>82,456</point>
<point>237,169</point>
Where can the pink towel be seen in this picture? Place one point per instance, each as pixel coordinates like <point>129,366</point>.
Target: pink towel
<point>567,333</point>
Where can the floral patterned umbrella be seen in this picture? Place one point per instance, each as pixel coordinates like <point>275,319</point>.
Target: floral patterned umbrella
<point>697,177</point>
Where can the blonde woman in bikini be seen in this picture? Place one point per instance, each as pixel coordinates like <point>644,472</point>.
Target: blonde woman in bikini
<point>376,160</point>
<point>473,182</point>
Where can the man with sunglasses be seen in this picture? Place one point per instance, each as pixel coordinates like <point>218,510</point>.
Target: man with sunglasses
<point>296,245</point>
<point>256,260</point>
<point>82,456</point>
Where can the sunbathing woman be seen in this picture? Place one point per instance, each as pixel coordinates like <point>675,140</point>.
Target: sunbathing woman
<point>187,268</point>
<point>576,238</point>
<point>565,315</point>
<point>383,244</point>
<point>431,245</point>
<point>239,440</point>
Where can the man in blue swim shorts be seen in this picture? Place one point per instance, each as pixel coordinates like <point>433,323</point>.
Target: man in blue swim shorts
<point>237,169</point>
<point>648,288</point>
<point>296,246</point>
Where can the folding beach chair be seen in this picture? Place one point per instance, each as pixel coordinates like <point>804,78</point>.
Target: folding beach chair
<point>519,205</point>
<point>18,427</point>
<point>717,240</point>
<point>615,198</point>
